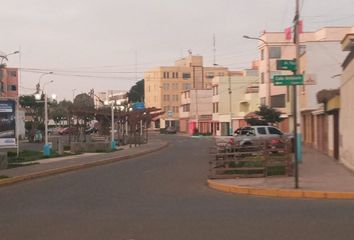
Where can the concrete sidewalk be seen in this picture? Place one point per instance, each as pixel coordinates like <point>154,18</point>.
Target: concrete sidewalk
<point>319,177</point>
<point>52,166</point>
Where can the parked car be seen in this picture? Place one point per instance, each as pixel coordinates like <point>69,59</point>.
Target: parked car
<point>67,130</point>
<point>171,130</point>
<point>255,135</point>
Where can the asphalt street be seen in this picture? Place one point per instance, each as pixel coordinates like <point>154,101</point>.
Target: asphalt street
<point>157,197</point>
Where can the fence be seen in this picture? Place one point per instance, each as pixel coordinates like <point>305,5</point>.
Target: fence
<point>260,159</point>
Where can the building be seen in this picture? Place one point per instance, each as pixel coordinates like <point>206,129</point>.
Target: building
<point>233,98</point>
<point>9,82</point>
<point>346,128</point>
<point>196,111</point>
<point>317,48</point>
<point>163,85</point>
<point>109,96</point>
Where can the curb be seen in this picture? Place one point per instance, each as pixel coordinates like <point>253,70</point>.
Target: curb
<point>280,193</point>
<point>17,179</point>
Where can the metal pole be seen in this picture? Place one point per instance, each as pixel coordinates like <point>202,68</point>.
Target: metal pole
<point>269,75</point>
<point>17,128</point>
<point>112,133</point>
<point>230,106</point>
<point>295,114</point>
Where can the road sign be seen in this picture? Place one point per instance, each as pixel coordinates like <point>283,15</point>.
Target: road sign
<point>280,80</point>
<point>284,64</point>
<point>138,105</point>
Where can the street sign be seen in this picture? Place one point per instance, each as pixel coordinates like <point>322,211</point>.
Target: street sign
<point>138,105</point>
<point>281,80</point>
<point>284,64</point>
<point>169,114</point>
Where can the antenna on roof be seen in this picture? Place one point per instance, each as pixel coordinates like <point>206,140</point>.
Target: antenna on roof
<point>214,50</point>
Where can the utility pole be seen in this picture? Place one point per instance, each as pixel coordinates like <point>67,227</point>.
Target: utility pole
<point>297,138</point>
<point>230,104</point>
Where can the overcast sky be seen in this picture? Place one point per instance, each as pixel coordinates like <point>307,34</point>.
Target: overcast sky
<point>100,44</point>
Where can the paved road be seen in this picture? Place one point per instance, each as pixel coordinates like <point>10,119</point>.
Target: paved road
<point>160,196</point>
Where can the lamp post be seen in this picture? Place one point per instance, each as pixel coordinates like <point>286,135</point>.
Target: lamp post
<point>266,44</point>
<point>113,142</point>
<point>4,56</point>
<point>46,148</point>
<point>38,86</point>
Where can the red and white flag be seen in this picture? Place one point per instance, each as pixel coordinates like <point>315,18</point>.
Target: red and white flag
<point>287,33</point>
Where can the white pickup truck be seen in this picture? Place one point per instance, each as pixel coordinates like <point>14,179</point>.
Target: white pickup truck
<point>253,135</point>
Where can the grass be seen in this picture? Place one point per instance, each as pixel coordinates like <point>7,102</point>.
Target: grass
<point>29,156</point>
<point>257,161</point>
<point>3,176</point>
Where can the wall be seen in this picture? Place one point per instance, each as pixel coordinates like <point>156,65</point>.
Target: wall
<point>346,139</point>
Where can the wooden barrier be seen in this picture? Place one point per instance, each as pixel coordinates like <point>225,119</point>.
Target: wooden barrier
<point>261,159</point>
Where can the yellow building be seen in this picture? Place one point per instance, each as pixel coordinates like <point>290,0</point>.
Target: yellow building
<point>164,84</point>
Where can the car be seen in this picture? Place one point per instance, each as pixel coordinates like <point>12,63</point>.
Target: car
<point>255,135</point>
<point>171,130</point>
<point>91,130</point>
<point>67,130</point>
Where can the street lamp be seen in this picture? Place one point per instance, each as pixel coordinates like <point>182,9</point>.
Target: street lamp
<point>46,148</point>
<point>38,86</point>
<point>266,44</point>
<point>4,56</point>
<point>113,142</point>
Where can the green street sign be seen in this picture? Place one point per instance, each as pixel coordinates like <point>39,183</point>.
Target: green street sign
<point>283,64</point>
<point>281,80</point>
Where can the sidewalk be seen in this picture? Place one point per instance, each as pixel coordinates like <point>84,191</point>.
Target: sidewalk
<point>319,177</point>
<point>53,166</point>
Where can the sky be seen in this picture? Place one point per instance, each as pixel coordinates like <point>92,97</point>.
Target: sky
<point>108,44</point>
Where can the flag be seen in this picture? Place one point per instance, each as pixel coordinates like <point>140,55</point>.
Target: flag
<point>287,33</point>
<point>301,26</point>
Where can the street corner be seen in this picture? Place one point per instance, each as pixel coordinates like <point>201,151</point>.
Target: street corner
<point>278,193</point>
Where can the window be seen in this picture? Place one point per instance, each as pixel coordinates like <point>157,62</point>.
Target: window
<point>209,75</point>
<point>274,52</point>
<point>176,74</point>
<point>262,54</point>
<point>273,130</point>
<point>215,90</point>
<point>261,130</point>
<point>11,87</point>
<point>185,108</point>
<point>186,75</point>
<point>262,78</point>
<point>186,86</point>
<point>13,73</point>
<point>215,107</point>
<point>263,101</point>
<point>278,101</point>
<point>173,75</point>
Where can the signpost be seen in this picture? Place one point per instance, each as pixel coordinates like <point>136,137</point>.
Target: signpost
<point>8,123</point>
<point>284,64</point>
<point>286,80</point>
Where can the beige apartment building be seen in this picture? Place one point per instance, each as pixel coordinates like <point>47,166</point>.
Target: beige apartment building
<point>164,84</point>
<point>274,46</point>
<point>232,99</point>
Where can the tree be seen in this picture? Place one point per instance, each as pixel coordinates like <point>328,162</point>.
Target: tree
<point>264,116</point>
<point>136,92</point>
<point>60,111</point>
